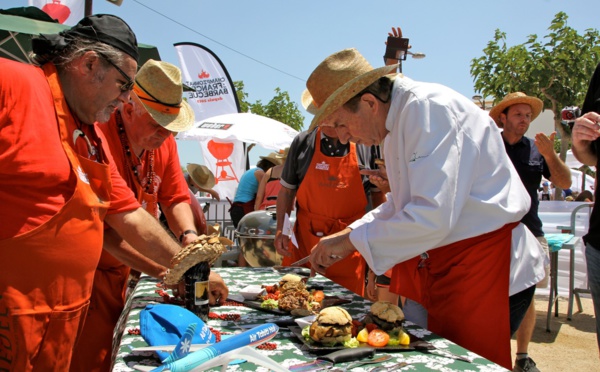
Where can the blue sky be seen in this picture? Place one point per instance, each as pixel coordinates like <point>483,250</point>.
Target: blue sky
<point>269,43</point>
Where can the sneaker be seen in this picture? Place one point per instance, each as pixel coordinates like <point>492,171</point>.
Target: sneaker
<point>525,365</point>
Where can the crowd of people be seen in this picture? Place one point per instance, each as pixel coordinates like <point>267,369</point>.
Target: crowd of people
<point>405,185</point>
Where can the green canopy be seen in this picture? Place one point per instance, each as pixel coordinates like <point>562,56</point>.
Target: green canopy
<point>19,25</point>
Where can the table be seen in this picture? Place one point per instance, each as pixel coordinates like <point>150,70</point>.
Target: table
<point>289,349</point>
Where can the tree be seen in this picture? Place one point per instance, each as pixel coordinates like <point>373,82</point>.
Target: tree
<point>280,107</point>
<point>557,70</point>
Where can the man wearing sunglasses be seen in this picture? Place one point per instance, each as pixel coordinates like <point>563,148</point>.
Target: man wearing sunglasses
<point>58,186</point>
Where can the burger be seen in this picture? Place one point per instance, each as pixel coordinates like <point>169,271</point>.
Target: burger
<point>333,325</point>
<point>385,315</point>
<point>289,278</point>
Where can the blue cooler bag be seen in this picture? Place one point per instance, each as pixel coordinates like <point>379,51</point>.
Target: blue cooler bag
<point>162,324</point>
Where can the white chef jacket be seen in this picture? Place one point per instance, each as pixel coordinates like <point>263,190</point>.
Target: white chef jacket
<point>450,180</point>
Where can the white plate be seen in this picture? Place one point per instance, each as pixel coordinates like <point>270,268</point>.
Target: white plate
<point>304,321</point>
<point>252,292</point>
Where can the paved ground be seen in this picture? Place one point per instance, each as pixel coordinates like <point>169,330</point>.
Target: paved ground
<point>571,345</point>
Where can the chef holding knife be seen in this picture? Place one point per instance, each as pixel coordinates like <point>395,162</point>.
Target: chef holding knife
<point>455,202</point>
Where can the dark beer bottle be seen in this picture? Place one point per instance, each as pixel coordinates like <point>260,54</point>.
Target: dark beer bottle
<point>196,290</point>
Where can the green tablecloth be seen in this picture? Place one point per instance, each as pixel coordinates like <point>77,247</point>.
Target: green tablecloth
<point>289,349</point>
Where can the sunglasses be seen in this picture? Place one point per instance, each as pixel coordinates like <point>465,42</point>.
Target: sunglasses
<point>129,83</point>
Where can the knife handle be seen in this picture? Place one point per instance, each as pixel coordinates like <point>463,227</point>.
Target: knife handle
<point>347,355</point>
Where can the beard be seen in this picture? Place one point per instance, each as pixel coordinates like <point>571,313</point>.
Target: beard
<point>104,115</point>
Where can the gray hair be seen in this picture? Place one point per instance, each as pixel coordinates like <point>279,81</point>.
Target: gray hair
<point>77,47</point>
<point>381,89</point>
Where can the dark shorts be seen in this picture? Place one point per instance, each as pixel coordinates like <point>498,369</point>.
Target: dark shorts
<point>518,304</point>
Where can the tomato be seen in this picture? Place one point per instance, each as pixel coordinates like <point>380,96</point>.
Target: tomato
<point>363,335</point>
<point>378,338</point>
<point>371,326</point>
<point>318,295</point>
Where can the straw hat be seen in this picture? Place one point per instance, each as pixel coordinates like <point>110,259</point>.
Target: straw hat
<point>159,88</point>
<point>307,102</point>
<point>282,154</point>
<point>202,177</point>
<point>273,158</point>
<point>515,98</point>
<point>338,78</point>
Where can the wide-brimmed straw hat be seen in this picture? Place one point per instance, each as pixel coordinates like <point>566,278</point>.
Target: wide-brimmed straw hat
<point>273,158</point>
<point>282,154</point>
<point>338,78</point>
<point>202,177</point>
<point>159,88</point>
<point>515,98</point>
<point>307,102</point>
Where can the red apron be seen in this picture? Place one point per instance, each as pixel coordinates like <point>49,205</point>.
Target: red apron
<point>330,197</point>
<point>46,275</point>
<point>464,287</point>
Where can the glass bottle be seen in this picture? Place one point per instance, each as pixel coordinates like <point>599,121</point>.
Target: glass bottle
<point>196,290</point>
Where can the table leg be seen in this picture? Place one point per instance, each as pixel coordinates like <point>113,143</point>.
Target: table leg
<point>571,282</point>
<point>553,287</point>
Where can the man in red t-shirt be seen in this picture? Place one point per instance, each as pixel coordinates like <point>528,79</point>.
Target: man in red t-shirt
<point>58,186</point>
<point>139,136</point>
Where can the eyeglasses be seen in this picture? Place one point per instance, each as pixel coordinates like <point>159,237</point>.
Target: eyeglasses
<point>129,83</point>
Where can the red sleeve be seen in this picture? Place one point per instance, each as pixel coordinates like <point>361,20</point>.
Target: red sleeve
<point>173,188</point>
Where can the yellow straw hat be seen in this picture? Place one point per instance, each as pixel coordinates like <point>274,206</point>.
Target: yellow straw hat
<point>338,78</point>
<point>159,88</point>
<point>515,98</point>
<point>202,177</point>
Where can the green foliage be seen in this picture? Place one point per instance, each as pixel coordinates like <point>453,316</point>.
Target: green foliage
<point>556,69</point>
<point>280,107</point>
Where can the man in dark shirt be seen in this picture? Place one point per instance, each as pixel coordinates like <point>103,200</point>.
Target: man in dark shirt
<point>586,147</point>
<point>532,158</point>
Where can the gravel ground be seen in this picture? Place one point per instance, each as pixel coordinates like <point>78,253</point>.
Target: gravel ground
<point>571,344</point>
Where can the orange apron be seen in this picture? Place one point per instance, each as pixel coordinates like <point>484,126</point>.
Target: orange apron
<point>330,197</point>
<point>46,275</point>
<point>464,287</point>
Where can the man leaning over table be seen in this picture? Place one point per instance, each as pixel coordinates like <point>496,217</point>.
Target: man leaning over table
<point>532,158</point>
<point>139,136</point>
<point>454,206</point>
<point>58,185</point>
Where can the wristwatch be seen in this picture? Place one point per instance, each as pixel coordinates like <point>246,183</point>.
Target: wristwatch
<point>183,234</point>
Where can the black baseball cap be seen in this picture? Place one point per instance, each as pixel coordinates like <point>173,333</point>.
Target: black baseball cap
<point>105,28</point>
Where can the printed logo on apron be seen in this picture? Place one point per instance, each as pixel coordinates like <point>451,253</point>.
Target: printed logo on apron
<point>322,166</point>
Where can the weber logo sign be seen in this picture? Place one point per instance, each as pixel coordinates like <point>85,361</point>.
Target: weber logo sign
<point>220,126</point>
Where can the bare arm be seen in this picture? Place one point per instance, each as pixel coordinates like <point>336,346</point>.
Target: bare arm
<point>560,174</point>
<point>285,204</point>
<point>585,131</point>
<point>125,253</point>
<point>260,193</point>
<point>145,234</point>
<point>180,219</point>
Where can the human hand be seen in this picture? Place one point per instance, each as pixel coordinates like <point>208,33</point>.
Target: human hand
<point>188,239</point>
<point>371,288</point>
<point>330,250</point>
<point>218,289</point>
<point>396,32</point>
<point>545,144</point>
<point>282,243</point>
<point>586,129</point>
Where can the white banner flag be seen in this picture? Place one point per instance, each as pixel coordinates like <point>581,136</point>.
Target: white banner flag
<point>67,12</point>
<point>202,70</point>
<point>226,160</point>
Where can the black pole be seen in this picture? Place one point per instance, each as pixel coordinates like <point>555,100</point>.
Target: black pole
<point>88,8</point>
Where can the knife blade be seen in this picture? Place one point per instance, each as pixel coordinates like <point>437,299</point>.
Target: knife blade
<point>328,360</point>
<point>301,262</point>
<point>429,348</point>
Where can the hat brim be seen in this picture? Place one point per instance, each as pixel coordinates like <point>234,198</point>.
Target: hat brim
<point>344,93</point>
<point>308,103</point>
<point>204,186</point>
<point>181,122</point>
<point>275,161</point>
<point>536,107</point>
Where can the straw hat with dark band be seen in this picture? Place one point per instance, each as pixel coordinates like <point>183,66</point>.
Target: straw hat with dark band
<point>159,88</point>
<point>515,98</point>
<point>338,78</point>
<point>273,158</point>
<point>202,177</point>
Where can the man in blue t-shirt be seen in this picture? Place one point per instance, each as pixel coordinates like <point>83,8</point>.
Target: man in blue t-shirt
<point>532,158</point>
